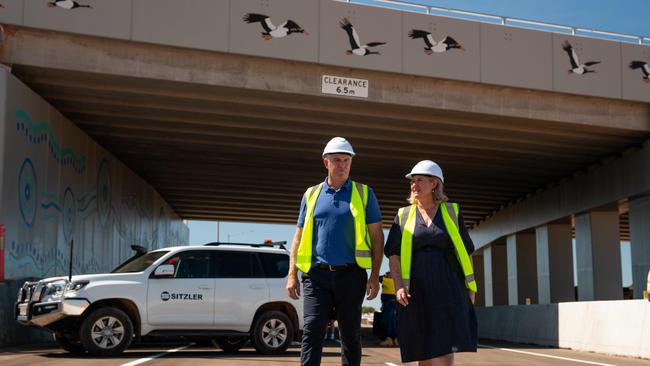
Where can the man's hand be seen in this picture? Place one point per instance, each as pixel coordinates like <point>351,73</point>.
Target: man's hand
<point>402,296</point>
<point>293,286</point>
<point>372,288</point>
<point>472,296</point>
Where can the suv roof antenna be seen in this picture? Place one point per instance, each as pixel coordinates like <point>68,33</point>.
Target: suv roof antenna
<point>70,271</point>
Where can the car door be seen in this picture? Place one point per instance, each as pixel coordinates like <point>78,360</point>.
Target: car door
<point>187,297</point>
<point>240,289</point>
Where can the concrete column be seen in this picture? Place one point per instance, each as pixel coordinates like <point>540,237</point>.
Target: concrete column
<point>554,263</point>
<point>479,274</point>
<point>499,274</point>
<point>640,243</point>
<point>598,256</point>
<point>522,268</point>
<point>487,270</point>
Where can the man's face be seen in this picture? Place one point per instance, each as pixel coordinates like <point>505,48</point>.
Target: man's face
<point>338,166</point>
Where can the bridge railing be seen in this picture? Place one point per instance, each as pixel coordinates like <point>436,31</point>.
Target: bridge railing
<point>490,18</point>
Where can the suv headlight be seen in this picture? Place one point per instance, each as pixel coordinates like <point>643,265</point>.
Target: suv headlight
<point>75,286</point>
<point>54,290</point>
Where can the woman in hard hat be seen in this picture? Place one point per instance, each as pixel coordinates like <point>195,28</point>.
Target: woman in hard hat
<point>428,248</point>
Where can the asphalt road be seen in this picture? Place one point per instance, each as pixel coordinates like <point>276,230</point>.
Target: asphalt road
<point>183,354</point>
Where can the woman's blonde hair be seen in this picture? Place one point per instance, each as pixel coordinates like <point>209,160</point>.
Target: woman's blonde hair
<point>438,193</point>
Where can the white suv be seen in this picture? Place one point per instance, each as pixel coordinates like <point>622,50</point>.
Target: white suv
<point>228,293</point>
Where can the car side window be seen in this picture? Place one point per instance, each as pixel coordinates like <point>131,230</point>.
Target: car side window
<point>191,264</point>
<point>235,264</point>
<point>275,265</point>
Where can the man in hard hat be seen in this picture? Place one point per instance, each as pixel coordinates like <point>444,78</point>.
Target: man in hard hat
<point>338,237</point>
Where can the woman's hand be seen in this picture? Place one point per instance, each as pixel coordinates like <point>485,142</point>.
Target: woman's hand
<point>472,296</point>
<point>402,296</point>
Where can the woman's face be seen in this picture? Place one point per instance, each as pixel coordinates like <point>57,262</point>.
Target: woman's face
<point>421,185</point>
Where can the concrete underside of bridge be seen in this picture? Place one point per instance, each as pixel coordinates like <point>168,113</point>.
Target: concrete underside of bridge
<point>231,137</point>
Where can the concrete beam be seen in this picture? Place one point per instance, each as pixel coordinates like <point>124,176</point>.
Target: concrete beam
<point>554,263</point>
<point>607,183</point>
<point>48,49</point>
<point>598,256</point>
<point>522,268</point>
<point>640,243</point>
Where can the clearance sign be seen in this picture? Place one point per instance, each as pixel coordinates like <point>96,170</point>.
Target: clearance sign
<point>348,87</point>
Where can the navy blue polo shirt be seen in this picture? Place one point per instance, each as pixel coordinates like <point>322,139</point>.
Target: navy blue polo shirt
<point>333,239</point>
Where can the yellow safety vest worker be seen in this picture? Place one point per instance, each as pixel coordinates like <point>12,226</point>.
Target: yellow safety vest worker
<point>449,213</point>
<point>362,244</point>
<point>387,286</point>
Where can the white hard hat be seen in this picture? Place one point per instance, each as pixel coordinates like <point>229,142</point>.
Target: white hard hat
<point>426,167</point>
<point>338,145</point>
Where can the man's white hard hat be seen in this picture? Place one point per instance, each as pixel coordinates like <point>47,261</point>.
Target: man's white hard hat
<point>338,145</point>
<point>426,167</point>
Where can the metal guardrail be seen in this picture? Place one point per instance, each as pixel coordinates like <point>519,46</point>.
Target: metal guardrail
<point>454,13</point>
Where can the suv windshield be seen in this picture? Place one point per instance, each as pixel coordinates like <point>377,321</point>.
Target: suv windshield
<point>139,264</point>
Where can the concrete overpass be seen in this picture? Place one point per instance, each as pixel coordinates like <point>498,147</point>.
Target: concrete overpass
<point>226,126</point>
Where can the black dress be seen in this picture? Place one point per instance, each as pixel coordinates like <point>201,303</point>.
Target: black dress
<point>440,317</point>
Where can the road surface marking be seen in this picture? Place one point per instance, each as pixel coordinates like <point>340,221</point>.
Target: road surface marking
<point>548,356</point>
<point>390,364</point>
<point>147,359</point>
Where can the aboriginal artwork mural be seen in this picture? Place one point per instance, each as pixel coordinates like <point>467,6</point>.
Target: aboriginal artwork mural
<point>67,4</point>
<point>59,186</point>
<point>271,31</point>
<point>356,47</point>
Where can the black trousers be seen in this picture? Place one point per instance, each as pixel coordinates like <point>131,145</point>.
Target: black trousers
<point>323,290</point>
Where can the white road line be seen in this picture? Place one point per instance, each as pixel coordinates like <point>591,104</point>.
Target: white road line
<point>548,356</point>
<point>147,359</point>
<point>390,364</point>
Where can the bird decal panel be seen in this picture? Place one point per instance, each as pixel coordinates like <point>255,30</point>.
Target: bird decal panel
<point>644,69</point>
<point>577,67</point>
<point>356,47</point>
<point>271,31</point>
<point>432,46</point>
<point>67,4</point>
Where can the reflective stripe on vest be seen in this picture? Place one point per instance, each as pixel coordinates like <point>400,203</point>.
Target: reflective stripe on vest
<point>362,253</point>
<point>449,213</point>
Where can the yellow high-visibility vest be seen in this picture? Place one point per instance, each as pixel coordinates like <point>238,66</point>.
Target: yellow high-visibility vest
<point>449,213</point>
<point>362,244</point>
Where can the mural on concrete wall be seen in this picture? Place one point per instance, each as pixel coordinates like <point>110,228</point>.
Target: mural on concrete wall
<point>272,31</point>
<point>67,4</point>
<point>431,46</point>
<point>576,66</point>
<point>61,186</point>
<point>356,48</point>
<point>643,67</point>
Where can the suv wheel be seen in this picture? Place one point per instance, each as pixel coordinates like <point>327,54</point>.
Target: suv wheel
<point>230,344</point>
<point>65,342</point>
<point>106,332</point>
<point>272,333</point>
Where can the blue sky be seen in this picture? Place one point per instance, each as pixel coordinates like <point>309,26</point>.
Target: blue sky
<point>628,17</point>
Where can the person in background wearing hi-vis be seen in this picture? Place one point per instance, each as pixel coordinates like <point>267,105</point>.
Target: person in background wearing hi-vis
<point>388,311</point>
<point>647,286</point>
<point>338,237</point>
<point>428,248</point>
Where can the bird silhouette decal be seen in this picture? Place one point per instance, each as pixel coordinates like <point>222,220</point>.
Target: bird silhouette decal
<point>644,67</point>
<point>431,46</point>
<point>66,4</point>
<point>270,30</point>
<point>576,66</point>
<point>355,45</point>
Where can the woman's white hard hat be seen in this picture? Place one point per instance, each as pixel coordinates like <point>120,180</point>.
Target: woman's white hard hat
<point>426,167</point>
<point>338,145</point>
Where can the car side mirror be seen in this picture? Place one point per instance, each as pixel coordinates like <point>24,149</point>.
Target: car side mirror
<point>164,270</point>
